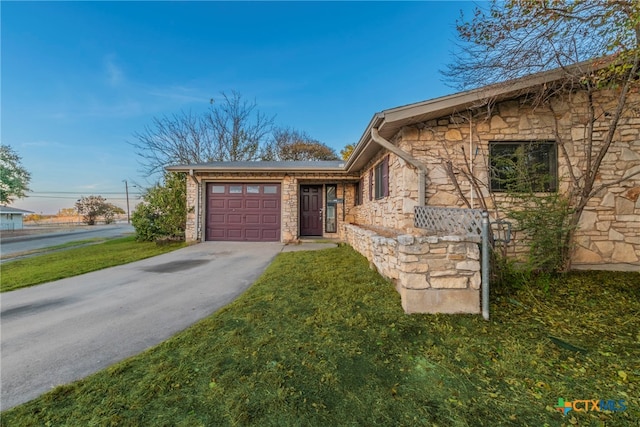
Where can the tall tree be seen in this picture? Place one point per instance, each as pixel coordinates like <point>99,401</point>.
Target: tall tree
<point>291,144</point>
<point>14,178</point>
<point>231,129</point>
<point>593,45</point>
<point>515,38</point>
<point>92,207</point>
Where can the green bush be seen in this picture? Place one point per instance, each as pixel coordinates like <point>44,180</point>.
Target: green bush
<point>545,220</point>
<point>163,211</point>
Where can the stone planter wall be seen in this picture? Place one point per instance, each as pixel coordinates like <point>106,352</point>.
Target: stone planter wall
<point>433,274</point>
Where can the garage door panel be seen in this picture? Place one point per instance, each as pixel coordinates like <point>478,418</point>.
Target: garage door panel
<point>253,234</point>
<point>243,211</point>
<point>234,204</point>
<point>217,218</point>
<point>252,204</point>
<point>217,204</point>
<point>234,219</point>
<point>271,204</point>
<point>270,219</point>
<point>252,219</point>
<point>217,234</point>
<point>234,233</point>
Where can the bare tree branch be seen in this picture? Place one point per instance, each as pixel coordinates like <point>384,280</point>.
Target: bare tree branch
<point>233,129</point>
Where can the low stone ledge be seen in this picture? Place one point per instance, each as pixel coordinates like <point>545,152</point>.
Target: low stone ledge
<point>432,273</point>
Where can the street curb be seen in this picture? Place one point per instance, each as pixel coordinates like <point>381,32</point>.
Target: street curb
<point>41,236</point>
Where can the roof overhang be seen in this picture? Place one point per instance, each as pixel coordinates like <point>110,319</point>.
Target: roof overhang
<point>389,122</point>
<point>334,167</point>
<point>10,210</point>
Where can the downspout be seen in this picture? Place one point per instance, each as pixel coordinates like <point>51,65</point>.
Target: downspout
<point>197,207</point>
<point>422,169</point>
<point>471,157</point>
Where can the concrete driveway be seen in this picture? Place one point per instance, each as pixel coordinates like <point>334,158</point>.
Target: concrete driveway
<point>62,331</point>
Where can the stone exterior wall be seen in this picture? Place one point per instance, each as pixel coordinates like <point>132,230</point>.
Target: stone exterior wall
<point>433,274</point>
<point>396,210</point>
<point>609,230</point>
<point>290,184</point>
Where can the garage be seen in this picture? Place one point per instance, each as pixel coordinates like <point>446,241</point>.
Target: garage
<point>243,211</point>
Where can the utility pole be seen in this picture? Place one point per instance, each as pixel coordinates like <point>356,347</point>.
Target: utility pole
<point>126,189</point>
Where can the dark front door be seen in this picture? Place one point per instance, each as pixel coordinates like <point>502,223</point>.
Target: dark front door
<point>311,210</point>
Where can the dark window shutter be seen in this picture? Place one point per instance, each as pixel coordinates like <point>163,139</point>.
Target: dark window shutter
<point>371,184</point>
<point>385,177</point>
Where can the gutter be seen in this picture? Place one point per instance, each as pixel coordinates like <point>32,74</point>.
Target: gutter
<point>422,169</point>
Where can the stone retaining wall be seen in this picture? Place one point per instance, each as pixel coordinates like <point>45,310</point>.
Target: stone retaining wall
<point>433,274</point>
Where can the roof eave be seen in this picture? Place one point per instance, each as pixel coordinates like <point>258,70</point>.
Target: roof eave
<point>255,168</point>
<point>389,121</point>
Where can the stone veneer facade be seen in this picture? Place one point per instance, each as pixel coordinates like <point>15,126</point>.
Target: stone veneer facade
<point>290,183</point>
<point>609,230</point>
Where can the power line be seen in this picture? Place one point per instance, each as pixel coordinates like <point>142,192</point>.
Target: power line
<point>72,198</point>
<point>78,192</point>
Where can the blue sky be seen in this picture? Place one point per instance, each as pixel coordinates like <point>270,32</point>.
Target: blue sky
<point>80,78</point>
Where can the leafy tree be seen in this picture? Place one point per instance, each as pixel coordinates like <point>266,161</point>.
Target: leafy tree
<point>347,150</point>
<point>91,208</point>
<point>233,129</point>
<point>163,211</point>
<point>110,213</point>
<point>291,144</point>
<point>14,178</point>
<point>514,38</point>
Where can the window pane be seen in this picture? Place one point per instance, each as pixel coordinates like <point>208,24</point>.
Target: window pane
<point>331,219</point>
<point>235,189</point>
<point>331,192</point>
<point>379,189</point>
<point>217,189</point>
<point>253,189</point>
<point>523,166</point>
<point>270,189</point>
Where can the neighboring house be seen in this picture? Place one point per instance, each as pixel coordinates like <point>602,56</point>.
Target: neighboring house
<point>11,218</point>
<point>400,163</point>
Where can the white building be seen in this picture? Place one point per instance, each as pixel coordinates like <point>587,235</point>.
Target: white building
<point>11,218</point>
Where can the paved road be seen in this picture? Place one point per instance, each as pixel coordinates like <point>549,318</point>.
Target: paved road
<point>65,330</point>
<point>12,245</point>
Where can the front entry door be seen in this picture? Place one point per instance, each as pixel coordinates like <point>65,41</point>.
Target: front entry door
<point>311,210</point>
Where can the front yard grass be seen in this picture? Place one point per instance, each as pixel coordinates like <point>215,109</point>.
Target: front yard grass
<point>72,262</point>
<point>321,340</point>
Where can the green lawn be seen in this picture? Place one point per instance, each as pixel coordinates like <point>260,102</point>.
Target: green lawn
<point>72,262</point>
<point>321,340</point>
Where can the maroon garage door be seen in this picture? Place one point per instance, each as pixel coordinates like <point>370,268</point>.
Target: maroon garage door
<point>243,211</point>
